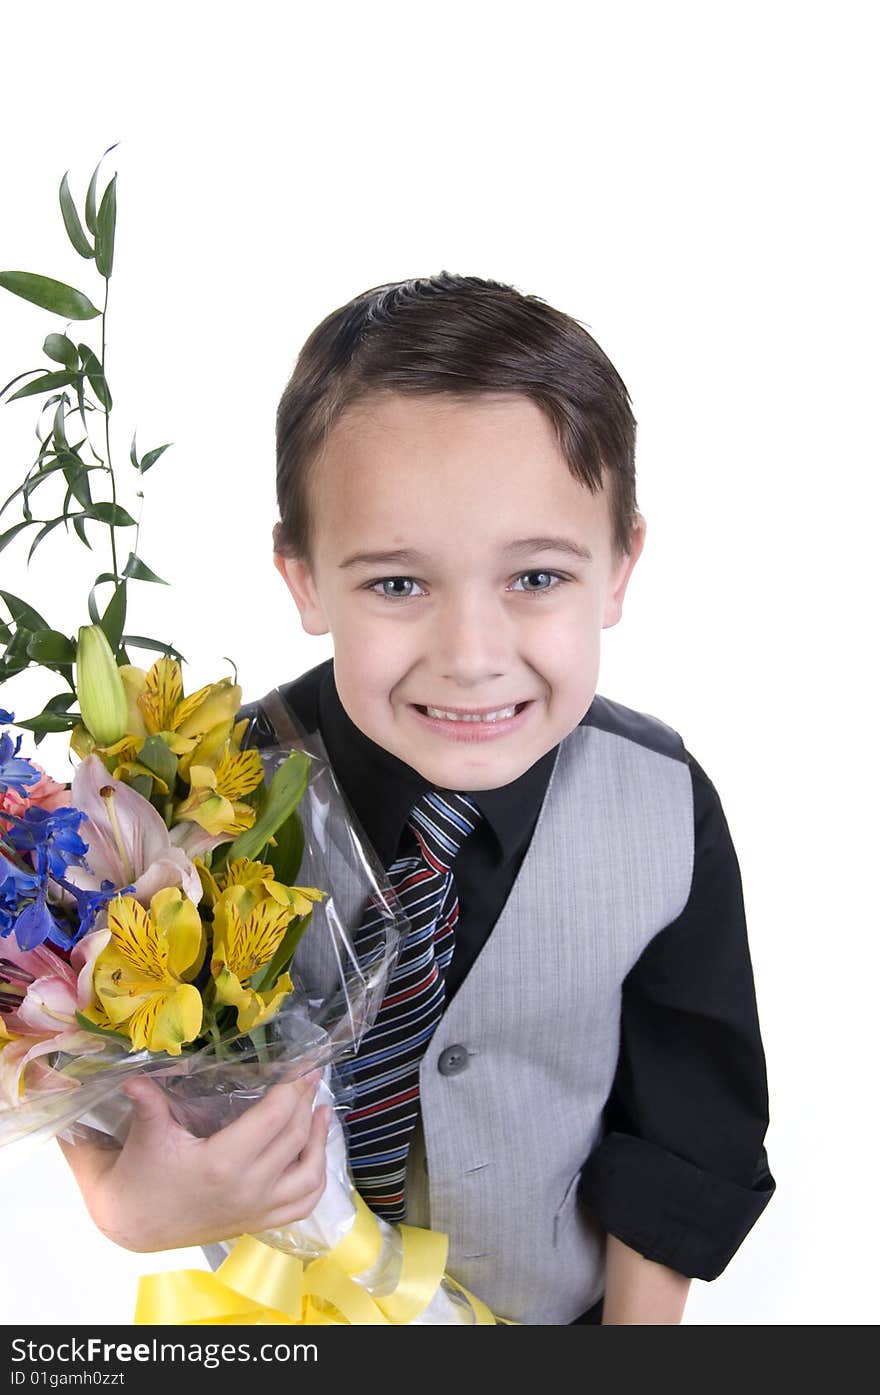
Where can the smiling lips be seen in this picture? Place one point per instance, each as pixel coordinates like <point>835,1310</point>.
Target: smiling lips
<point>475,714</point>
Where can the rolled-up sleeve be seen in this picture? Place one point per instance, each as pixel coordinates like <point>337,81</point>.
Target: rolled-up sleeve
<point>681,1173</point>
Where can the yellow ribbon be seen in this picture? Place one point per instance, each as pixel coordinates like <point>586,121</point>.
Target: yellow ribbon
<point>258,1285</point>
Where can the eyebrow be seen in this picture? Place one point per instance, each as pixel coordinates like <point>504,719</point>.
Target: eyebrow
<point>406,556</point>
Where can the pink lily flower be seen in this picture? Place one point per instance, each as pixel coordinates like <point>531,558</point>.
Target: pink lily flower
<point>45,1021</point>
<point>128,842</point>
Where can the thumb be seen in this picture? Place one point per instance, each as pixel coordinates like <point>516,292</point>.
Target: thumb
<point>149,1105</point>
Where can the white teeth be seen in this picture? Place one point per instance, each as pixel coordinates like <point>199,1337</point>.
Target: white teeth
<point>496,716</point>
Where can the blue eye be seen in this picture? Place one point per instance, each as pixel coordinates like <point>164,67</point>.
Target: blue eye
<point>534,590</point>
<point>404,581</point>
<point>395,581</point>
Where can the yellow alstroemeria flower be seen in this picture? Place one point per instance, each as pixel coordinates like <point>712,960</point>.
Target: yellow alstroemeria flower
<point>247,932</point>
<point>210,749</point>
<point>140,977</point>
<point>216,795</point>
<point>166,710</point>
<point>259,879</point>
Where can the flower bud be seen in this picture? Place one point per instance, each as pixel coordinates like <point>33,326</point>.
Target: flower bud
<point>99,687</point>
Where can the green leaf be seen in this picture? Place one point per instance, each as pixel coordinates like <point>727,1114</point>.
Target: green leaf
<point>76,472</point>
<point>49,380</point>
<point>79,524</point>
<point>52,295</point>
<point>285,791</point>
<point>105,512</point>
<point>47,528</point>
<point>60,702</point>
<point>155,755</point>
<point>71,221</point>
<point>59,438</point>
<point>94,613</point>
<point>6,538</point>
<point>22,613</point>
<point>106,233</point>
<point>139,571</point>
<point>286,855</point>
<point>50,721</point>
<point>51,646</point>
<point>113,619</point>
<point>95,373</point>
<point>134,459</point>
<point>88,1026</point>
<point>91,217</point>
<point>62,350</point>
<point>154,645</point>
<point>152,456</point>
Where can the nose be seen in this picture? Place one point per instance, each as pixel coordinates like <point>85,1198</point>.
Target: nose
<point>472,640</point>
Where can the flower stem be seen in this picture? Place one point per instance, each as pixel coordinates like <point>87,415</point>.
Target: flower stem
<point>109,464</point>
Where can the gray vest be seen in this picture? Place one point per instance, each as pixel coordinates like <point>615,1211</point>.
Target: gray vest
<point>514,1081</point>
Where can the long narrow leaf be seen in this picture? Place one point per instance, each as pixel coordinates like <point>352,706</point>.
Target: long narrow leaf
<point>139,571</point>
<point>22,613</point>
<point>47,528</point>
<point>62,350</point>
<point>113,619</point>
<point>6,538</point>
<point>51,647</point>
<point>105,512</point>
<point>71,221</point>
<point>285,791</point>
<point>49,380</point>
<point>95,373</point>
<point>94,613</point>
<point>152,456</point>
<point>154,645</point>
<point>91,216</point>
<point>106,233</point>
<point>49,294</point>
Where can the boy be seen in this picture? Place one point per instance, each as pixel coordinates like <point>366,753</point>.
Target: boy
<point>583,1106</point>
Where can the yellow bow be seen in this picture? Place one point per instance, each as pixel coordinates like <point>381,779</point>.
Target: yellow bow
<point>258,1285</point>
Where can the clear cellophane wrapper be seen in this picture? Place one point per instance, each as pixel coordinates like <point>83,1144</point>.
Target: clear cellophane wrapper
<point>336,997</point>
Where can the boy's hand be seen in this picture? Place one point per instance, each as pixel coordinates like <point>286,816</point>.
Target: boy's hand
<point>165,1189</point>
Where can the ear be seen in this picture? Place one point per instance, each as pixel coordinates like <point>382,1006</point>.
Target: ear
<point>301,585</point>
<point>621,574</point>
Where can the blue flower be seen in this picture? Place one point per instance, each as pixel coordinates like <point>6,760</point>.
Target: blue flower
<point>16,773</point>
<point>17,887</point>
<point>36,924</point>
<point>90,903</point>
<point>51,837</point>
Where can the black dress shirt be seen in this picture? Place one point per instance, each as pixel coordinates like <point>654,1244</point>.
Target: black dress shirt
<point>681,1173</point>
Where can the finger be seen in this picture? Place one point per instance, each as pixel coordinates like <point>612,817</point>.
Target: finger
<point>150,1110</point>
<point>287,1145</point>
<point>242,1141</point>
<point>309,1173</point>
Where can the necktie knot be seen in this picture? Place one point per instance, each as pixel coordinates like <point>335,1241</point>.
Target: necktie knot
<point>442,822</point>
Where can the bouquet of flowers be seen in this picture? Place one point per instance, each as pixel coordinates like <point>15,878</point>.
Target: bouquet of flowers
<point>151,909</point>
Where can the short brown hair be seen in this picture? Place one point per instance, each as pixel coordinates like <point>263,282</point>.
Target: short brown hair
<point>457,336</point>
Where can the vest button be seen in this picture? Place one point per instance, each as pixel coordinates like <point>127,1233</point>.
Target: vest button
<point>453,1060</point>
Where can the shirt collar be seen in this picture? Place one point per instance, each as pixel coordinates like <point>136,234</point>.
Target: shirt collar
<point>382,789</point>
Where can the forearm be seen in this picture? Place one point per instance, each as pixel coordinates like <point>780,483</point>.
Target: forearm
<point>639,1291</point>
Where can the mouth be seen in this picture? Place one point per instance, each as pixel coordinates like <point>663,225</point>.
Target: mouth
<point>472,714</point>
<point>476,724</point>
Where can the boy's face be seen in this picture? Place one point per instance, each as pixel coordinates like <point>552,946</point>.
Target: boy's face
<point>468,603</point>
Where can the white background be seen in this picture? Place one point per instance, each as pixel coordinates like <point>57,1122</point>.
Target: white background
<point>695,184</point>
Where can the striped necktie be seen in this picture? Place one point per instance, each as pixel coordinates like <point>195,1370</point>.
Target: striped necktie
<point>385,1072</point>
